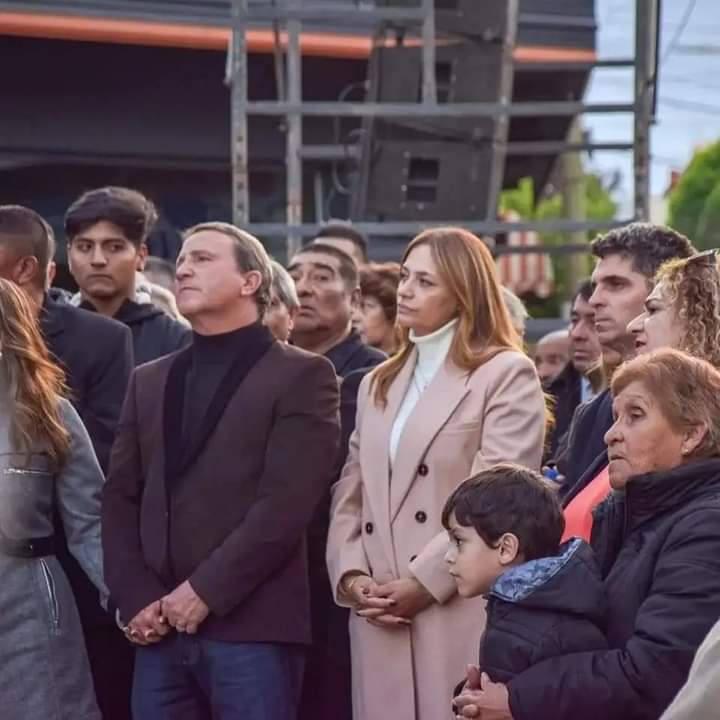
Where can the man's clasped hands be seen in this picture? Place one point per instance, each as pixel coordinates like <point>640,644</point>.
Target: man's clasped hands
<point>182,610</point>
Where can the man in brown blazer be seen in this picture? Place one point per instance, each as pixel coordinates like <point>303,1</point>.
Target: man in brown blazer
<point>223,451</point>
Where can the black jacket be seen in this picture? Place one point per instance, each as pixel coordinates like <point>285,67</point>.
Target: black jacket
<point>586,442</point>
<point>326,689</point>
<point>353,354</point>
<point>154,332</point>
<point>660,545</point>
<point>566,391</point>
<point>97,356</point>
<point>541,609</point>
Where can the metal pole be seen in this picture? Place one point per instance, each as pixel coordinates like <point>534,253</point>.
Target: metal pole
<point>645,29</point>
<point>574,196</point>
<point>238,122</point>
<point>429,85</point>
<point>294,133</point>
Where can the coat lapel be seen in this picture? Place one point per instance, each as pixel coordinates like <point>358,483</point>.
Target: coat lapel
<point>376,430</point>
<point>434,408</point>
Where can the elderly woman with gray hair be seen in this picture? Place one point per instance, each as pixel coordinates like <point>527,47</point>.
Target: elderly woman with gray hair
<point>284,303</point>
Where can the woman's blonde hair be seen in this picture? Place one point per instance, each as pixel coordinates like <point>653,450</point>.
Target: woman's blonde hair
<point>685,388</point>
<point>466,267</point>
<point>35,383</point>
<point>692,287</point>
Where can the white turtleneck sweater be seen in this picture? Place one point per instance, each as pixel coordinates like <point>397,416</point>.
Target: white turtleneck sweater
<point>432,350</point>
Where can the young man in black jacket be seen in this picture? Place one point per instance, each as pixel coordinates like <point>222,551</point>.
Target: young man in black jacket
<point>544,599</point>
<point>107,231</point>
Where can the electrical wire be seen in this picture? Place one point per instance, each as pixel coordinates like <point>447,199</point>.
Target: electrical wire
<point>692,105</point>
<point>672,45</point>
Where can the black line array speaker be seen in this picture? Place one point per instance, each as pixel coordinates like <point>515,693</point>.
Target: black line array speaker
<point>480,19</point>
<point>423,168</point>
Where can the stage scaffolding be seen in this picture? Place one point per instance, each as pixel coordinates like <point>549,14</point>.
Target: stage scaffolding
<point>287,18</point>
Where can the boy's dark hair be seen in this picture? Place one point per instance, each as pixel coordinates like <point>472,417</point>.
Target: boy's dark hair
<point>647,245</point>
<point>584,290</point>
<point>344,231</point>
<point>129,209</point>
<point>348,267</point>
<point>25,233</point>
<point>507,498</point>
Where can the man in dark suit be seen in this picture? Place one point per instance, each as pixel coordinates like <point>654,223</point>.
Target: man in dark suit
<point>328,288</point>
<point>627,260</point>
<point>96,355</point>
<point>574,385</point>
<point>222,454</point>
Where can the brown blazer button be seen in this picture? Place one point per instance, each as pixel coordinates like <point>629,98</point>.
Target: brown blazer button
<point>420,516</point>
<point>369,528</point>
<point>422,470</point>
<point>413,558</point>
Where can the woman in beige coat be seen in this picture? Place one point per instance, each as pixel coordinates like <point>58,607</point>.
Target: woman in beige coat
<point>459,396</point>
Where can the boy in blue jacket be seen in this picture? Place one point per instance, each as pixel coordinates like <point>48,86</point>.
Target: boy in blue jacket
<point>543,599</point>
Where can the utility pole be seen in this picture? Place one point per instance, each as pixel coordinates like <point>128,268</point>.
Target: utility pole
<point>574,204</point>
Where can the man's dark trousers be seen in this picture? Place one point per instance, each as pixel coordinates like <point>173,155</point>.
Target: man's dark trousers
<point>187,677</point>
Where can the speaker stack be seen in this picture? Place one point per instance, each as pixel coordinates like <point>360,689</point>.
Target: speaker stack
<point>428,169</point>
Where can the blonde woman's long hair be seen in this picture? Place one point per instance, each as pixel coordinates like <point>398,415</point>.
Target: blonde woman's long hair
<point>485,328</point>
<point>35,384</point>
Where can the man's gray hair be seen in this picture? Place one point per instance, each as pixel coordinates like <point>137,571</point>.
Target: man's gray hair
<point>284,286</point>
<point>516,307</point>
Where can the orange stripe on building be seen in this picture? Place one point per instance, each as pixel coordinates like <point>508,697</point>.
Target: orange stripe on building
<point>137,32</point>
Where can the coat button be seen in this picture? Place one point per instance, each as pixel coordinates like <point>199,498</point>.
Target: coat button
<point>420,516</point>
<point>369,528</point>
<point>423,470</point>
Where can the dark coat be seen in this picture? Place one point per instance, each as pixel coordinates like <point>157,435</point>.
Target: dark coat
<point>541,609</point>
<point>97,356</point>
<point>586,442</point>
<point>327,686</point>
<point>154,332</point>
<point>660,545</point>
<point>353,354</point>
<point>566,391</point>
<point>230,511</point>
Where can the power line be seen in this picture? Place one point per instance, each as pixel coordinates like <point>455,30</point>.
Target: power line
<point>691,105</point>
<point>679,32</point>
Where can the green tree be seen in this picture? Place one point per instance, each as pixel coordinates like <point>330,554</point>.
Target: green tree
<point>600,206</point>
<point>694,207</point>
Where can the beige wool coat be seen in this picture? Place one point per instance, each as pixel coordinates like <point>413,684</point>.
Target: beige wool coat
<point>388,525</point>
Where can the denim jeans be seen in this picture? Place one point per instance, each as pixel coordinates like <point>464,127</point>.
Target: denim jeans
<point>187,677</point>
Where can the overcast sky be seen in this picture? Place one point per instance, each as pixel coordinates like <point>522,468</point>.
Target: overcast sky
<point>689,92</point>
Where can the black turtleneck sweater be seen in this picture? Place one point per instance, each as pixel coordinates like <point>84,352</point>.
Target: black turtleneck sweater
<point>213,357</point>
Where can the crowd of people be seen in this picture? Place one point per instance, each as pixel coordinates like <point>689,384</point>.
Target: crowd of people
<point>342,489</point>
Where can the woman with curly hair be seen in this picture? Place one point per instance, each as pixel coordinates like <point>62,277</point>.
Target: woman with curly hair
<point>683,310</point>
<point>47,469</point>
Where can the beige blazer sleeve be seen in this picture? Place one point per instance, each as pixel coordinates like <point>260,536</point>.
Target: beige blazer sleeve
<point>345,552</point>
<point>700,697</point>
<point>513,431</point>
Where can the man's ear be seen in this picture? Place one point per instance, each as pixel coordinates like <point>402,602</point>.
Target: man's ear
<point>142,255</point>
<point>509,548</point>
<point>251,282</point>
<point>26,270</point>
<point>356,298</point>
